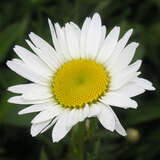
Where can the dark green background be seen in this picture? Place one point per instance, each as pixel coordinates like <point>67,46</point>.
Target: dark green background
<point>18,18</point>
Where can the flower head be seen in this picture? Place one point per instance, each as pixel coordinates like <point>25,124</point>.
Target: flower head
<point>84,74</point>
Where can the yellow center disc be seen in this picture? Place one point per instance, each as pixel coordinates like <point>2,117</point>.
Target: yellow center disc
<point>80,82</point>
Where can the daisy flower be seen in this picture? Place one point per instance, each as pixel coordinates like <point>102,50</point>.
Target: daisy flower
<point>84,74</point>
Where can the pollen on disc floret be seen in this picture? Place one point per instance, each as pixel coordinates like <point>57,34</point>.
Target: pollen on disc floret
<point>79,82</point>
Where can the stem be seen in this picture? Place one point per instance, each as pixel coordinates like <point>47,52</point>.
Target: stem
<point>77,142</point>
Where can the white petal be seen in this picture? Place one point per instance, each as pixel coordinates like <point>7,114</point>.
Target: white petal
<point>33,61</point>
<point>118,100</point>
<point>36,50</point>
<point>83,37</point>
<point>111,62</point>
<point>118,127</point>
<point>126,56</point>
<point>56,42</point>
<point>72,41</point>
<point>47,54</point>
<point>47,114</point>
<point>53,121</point>
<point>23,70</point>
<point>103,35</point>
<point>36,92</point>
<point>75,27</point>
<point>22,88</point>
<point>62,41</point>
<point>54,37</point>
<point>77,115</point>
<point>86,110</point>
<point>80,115</point>
<point>95,109</point>
<point>18,88</point>
<point>72,118</point>
<point>93,36</point>
<point>120,79</point>
<point>37,108</point>
<point>136,65</point>
<point>39,127</point>
<point>109,45</point>
<point>144,83</point>
<point>106,118</point>
<point>60,129</point>
<point>21,100</point>
<point>130,90</point>
<point>40,43</point>
<point>32,91</point>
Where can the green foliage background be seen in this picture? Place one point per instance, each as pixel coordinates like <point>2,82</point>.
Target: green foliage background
<point>18,18</point>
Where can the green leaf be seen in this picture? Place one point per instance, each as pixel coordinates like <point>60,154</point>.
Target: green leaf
<point>9,112</point>
<point>140,52</point>
<point>4,105</point>
<point>77,140</point>
<point>144,114</point>
<point>43,155</point>
<point>7,37</point>
<point>12,117</point>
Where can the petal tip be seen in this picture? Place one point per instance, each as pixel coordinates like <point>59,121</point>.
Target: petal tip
<point>8,63</point>
<point>20,112</point>
<point>136,44</point>
<point>131,30</point>
<point>49,21</point>
<point>10,100</point>
<point>135,105</point>
<point>9,89</point>
<point>96,14</point>
<point>152,88</point>
<point>55,139</point>
<point>123,133</point>
<point>26,40</point>
<point>96,18</point>
<point>31,34</point>
<point>33,134</point>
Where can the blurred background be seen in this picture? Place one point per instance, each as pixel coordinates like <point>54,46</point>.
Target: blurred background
<point>87,140</point>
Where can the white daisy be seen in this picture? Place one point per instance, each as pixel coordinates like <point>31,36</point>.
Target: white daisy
<point>82,76</point>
